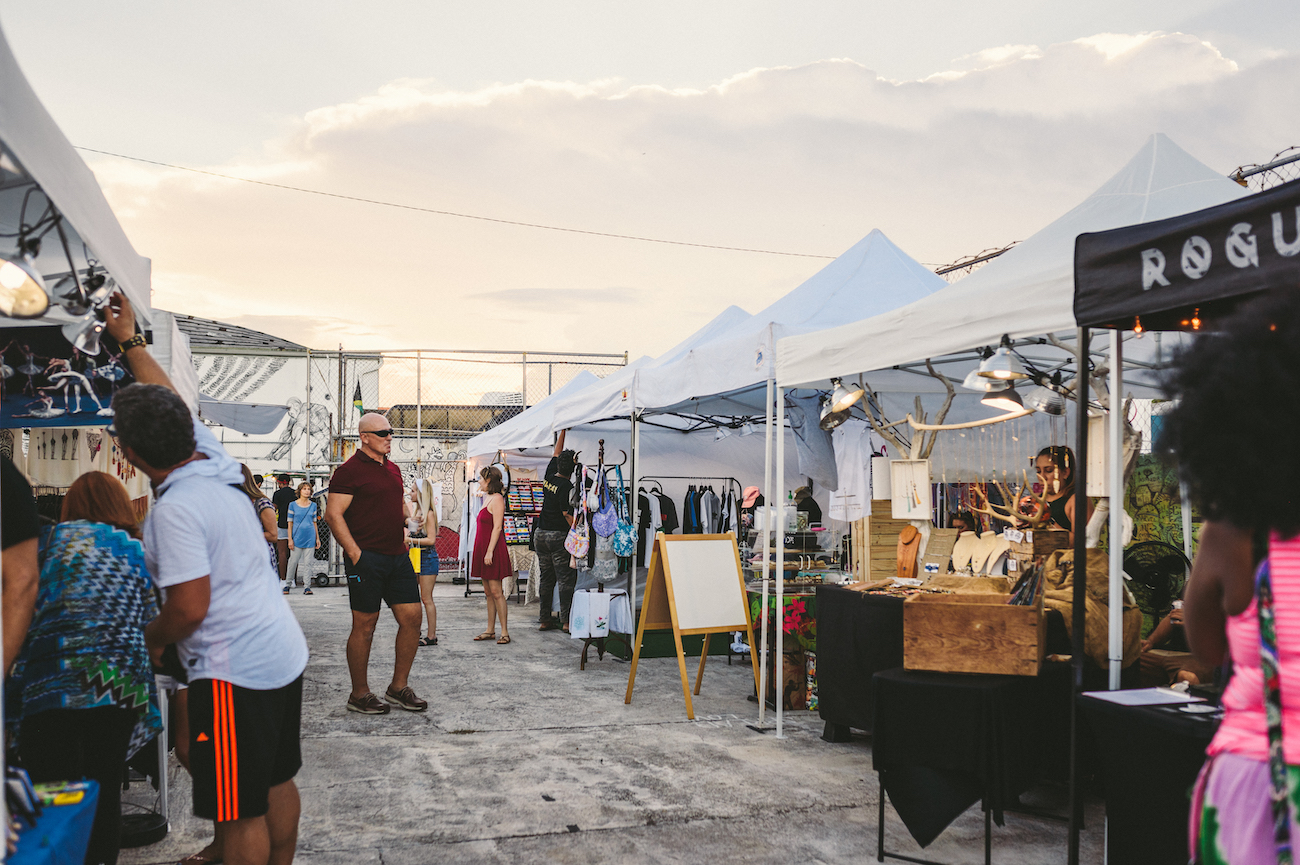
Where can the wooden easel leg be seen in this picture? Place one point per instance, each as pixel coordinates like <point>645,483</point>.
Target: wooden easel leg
<point>636,656</point>
<point>681,669</point>
<point>704,656</point>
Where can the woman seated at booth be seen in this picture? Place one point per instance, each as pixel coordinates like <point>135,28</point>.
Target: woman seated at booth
<point>1054,466</point>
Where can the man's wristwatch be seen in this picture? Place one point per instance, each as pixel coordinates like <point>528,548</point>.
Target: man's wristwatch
<point>137,341</point>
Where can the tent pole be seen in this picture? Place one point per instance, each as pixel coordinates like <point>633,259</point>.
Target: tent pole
<point>778,663</point>
<point>767,550</point>
<point>419,410</point>
<point>1185,505</point>
<point>1080,583</point>
<point>634,503</point>
<point>1115,468</point>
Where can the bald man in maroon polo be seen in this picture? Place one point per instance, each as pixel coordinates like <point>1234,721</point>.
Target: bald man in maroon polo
<point>366,513</point>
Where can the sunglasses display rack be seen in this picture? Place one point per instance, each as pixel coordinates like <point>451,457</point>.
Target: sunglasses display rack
<point>523,504</point>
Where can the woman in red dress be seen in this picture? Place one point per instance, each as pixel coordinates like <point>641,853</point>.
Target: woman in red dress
<point>491,562</point>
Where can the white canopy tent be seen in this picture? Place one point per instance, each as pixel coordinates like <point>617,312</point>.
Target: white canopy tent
<point>1026,292</point>
<point>615,395</point>
<point>531,428</point>
<point>723,369</point>
<point>38,165</point>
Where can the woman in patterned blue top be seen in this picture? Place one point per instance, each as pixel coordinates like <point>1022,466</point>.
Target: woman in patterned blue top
<point>83,679</point>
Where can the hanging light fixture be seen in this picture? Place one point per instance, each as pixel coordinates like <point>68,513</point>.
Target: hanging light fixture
<point>842,398</point>
<point>1046,397</point>
<point>747,428</point>
<point>1003,364</point>
<point>830,418</point>
<point>1006,399</point>
<point>78,297</point>
<point>721,434</point>
<point>84,333</point>
<point>22,288</point>
<point>977,382</point>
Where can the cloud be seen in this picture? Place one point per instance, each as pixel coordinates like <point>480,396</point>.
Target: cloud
<point>804,159</point>
<point>544,299</point>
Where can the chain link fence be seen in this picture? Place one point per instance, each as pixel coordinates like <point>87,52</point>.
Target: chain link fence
<point>1283,167</point>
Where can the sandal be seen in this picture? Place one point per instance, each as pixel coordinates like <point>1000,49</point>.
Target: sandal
<point>504,641</point>
<point>427,641</point>
<point>486,635</point>
<point>199,859</point>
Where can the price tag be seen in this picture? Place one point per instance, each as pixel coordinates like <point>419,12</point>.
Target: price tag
<point>1014,536</point>
<point>1012,564</point>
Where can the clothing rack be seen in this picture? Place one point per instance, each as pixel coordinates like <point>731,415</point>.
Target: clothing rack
<point>730,485</point>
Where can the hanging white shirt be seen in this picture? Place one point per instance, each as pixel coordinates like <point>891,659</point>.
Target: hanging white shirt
<point>853,442</point>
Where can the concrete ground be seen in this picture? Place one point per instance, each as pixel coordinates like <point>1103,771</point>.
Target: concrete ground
<point>522,758</point>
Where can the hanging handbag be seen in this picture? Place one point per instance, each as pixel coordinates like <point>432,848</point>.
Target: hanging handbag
<point>605,520</point>
<point>578,540</point>
<point>624,533</point>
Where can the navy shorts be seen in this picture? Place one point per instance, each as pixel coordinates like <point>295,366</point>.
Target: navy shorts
<point>377,577</point>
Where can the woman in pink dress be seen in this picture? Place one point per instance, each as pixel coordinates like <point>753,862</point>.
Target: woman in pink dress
<point>491,561</point>
<point>1236,409</point>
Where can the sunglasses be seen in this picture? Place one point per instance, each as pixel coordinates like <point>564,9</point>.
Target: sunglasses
<point>382,433</point>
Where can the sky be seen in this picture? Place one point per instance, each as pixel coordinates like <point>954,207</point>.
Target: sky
<point>951,126</point>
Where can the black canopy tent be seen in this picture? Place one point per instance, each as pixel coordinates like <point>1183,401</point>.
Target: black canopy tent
<point>1182,273</point>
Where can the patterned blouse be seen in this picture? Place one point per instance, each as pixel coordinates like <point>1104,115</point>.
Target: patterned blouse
<point>85,648</point>
<point>260,505</point>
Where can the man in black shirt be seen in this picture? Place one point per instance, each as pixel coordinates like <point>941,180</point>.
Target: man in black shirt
<point>281,499</point>
<point>552,528</point>
<point>18,538</point>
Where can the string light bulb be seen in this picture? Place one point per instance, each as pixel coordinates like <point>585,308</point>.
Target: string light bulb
<point>1196,319</point>
<point>1137,325</point>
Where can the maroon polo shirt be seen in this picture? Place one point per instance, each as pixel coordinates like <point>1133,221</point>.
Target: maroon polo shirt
<point>377,513</point>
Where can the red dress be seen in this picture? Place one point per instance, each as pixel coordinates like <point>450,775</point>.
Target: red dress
<point>500,567</point>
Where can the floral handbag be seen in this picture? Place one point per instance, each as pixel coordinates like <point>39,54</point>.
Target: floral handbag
<point>624,533</point>
<point>605,520</point>
<point>579,539</point>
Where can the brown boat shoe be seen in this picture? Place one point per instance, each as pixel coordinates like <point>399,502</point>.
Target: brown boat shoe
<point>368,705</point>
<point>406,699</point>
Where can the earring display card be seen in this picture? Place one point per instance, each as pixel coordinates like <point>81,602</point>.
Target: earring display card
<point>938,551</point>
<point>909,482</point>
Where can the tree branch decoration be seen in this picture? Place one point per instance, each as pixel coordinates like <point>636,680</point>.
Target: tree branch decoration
<point>918,446</point>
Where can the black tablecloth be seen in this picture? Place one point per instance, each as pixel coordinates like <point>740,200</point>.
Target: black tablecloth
<point>945,741</point>
<point>858,635</point>
<point>1150,756</point>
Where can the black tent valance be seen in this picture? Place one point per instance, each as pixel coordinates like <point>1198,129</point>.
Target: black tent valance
<point>1177,273</point>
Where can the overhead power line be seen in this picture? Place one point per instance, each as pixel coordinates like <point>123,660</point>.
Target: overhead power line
<point>453,213</point>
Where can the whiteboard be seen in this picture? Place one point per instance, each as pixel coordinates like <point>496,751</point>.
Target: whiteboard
<point>706,583</point>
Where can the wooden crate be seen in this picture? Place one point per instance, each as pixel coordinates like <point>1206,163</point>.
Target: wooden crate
<point>882,543</point>
<point>1037,545</point>
<point>973,634</point>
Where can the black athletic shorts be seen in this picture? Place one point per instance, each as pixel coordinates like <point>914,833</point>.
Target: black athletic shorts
<point>377,577</point>
<point>242,743</point>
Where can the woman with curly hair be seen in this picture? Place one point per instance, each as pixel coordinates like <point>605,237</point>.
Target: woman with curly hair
<point>1238,403</point>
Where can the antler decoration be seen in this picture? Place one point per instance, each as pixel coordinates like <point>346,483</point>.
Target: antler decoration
<point>1010,513</point>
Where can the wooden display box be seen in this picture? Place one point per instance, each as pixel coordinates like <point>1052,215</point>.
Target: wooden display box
<point>973,634</point>
<point>1037,545</point>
